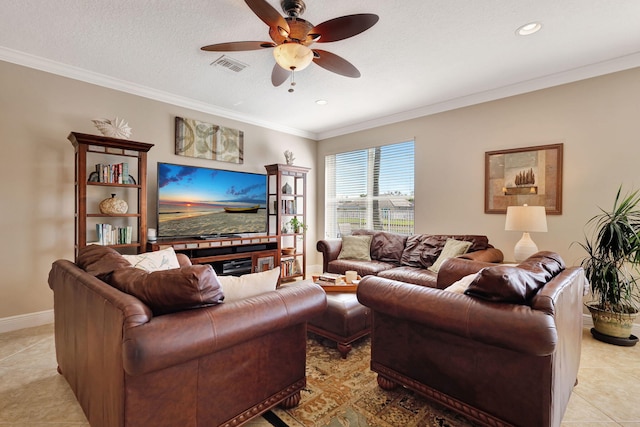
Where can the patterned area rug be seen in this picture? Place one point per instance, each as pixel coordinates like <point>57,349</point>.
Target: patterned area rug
<point>344,392</point>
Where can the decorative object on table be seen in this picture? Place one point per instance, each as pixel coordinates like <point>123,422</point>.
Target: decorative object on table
<point>296,225</point>
<point>612,269</point>
<point>152,235</point>
<point>288,157</point>
<point>116,128</point>
<point>531,175</point>
<point>527,219</point>
<point>113,206</point>
<point>208,141</point>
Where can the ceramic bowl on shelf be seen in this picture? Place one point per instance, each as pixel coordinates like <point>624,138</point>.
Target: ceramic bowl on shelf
<point>288,251</point>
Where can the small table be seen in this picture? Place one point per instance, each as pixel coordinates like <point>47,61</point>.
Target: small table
<point>345,320</point>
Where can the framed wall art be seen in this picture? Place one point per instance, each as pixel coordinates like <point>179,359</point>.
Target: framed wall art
<point>208,141</point>
<point>518,176</point>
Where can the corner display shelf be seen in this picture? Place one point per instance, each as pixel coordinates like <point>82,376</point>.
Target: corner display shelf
<point>91,150</point>
<point>287,192</point>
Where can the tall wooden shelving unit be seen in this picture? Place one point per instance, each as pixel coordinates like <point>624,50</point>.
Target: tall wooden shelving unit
<point>282,206</point>
<point>91,150</point>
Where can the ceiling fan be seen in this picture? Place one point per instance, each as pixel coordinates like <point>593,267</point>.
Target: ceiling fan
<point>292,37</point>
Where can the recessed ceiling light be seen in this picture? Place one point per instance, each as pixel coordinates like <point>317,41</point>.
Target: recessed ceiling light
<point>528,29</point>
<point>322,102</point>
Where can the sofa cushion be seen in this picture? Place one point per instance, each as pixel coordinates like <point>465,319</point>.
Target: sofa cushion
<point>364,268</point>
<point>240,287</point>
<point>356,247</point>
<point>164,259</point>
<point>100,261</point>
<point>516,284</point>
<point>168,291</point>
<point>452,248</point>
<point>422,250</point>
<point>414,275</point>
<point>385,247</point>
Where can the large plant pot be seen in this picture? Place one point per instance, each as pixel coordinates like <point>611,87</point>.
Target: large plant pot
<point>616,325</point>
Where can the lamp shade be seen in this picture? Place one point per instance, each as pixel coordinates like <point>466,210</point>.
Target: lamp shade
<point>526,218</point>
<point>293,56</point>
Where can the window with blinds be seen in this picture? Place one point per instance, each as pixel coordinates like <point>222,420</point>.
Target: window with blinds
<point>370,189</point>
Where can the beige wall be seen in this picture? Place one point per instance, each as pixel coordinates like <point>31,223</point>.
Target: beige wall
<point>598,120</point>
<point>38,110</point>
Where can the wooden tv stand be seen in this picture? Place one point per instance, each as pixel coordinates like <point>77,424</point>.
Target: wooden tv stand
<point>227,255</point>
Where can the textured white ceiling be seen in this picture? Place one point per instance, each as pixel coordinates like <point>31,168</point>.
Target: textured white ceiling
<point>423,56</point>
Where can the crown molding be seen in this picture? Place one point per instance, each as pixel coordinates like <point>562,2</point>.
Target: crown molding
<point>64,70</point>
<point>594,70</point>
<point>569,76</point>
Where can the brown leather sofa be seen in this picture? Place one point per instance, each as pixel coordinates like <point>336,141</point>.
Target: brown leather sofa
<point>505,353</point>
<point>406,259</point>
<point>217,365</point>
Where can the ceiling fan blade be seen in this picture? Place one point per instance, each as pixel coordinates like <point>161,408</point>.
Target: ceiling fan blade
<point>237,46</point>
<point>344,27</point>
<point>279,75</point>
<point>268,14</point>
<point>334,63</point>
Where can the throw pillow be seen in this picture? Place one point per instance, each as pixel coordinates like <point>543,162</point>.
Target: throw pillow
<point>452,248</point>
<point>167,291</point>
<point>248,285</point>
<point>100,261</point>
<point>516,284</point>
<point>461,285</point>
<point>164,259</point>
<point>356,248</point>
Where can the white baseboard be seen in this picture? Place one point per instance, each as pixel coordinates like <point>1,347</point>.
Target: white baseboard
<point>21,321</point>
<point>587,321</point>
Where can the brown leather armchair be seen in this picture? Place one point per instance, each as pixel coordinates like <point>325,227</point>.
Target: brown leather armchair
<point>497,363</point>
<point>212,366</point>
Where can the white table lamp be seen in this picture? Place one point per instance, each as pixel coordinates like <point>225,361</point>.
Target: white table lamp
<point>528,219</point>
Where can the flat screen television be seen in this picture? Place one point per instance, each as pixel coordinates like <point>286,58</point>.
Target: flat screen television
<point>204,202</point>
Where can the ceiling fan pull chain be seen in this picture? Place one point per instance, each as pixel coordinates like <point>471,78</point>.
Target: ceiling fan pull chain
<point>293,83</point>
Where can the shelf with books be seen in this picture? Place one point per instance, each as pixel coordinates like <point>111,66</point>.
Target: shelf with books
<point>101,165</point>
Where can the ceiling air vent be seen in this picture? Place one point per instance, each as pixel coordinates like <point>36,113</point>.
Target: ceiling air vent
<point>229,63</point>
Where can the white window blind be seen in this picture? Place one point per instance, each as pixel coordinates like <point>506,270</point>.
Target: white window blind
<point>370,189</point>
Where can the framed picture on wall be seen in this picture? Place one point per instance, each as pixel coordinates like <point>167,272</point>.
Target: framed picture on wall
<point>208,141</point>
<point>518,176</point>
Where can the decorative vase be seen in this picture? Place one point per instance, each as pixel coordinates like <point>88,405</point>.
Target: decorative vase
<point>286,189</point>
<point>113,205</point>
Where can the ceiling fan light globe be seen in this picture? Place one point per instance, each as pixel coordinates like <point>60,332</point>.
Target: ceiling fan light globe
<point>293,56</point>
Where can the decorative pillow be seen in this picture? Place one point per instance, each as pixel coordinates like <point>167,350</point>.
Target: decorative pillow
<point>452,248</point>
<point>164,259</point>
<point>516,284</point>
<point>167,291</point>
<point>385,246</point>
<point>356,248</point>
<point>100,261</point>
<point>422,250</point>
<point>461,285</point>
<point>248,285</point>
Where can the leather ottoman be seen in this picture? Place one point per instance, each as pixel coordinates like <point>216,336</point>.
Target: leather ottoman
<point>344,321</point>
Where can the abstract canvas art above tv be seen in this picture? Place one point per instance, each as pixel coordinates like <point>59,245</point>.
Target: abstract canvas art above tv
<point>196,201</point>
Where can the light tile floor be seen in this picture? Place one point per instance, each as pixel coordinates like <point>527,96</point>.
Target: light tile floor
<point>32,394</point>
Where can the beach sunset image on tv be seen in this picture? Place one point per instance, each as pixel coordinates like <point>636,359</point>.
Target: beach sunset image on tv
<point>196,201</point>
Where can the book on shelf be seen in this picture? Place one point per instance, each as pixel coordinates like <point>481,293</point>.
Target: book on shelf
<point>111,235</point>
<point>117,173</point>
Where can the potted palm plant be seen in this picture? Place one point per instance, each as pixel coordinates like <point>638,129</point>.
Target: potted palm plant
<point>611,267</point>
